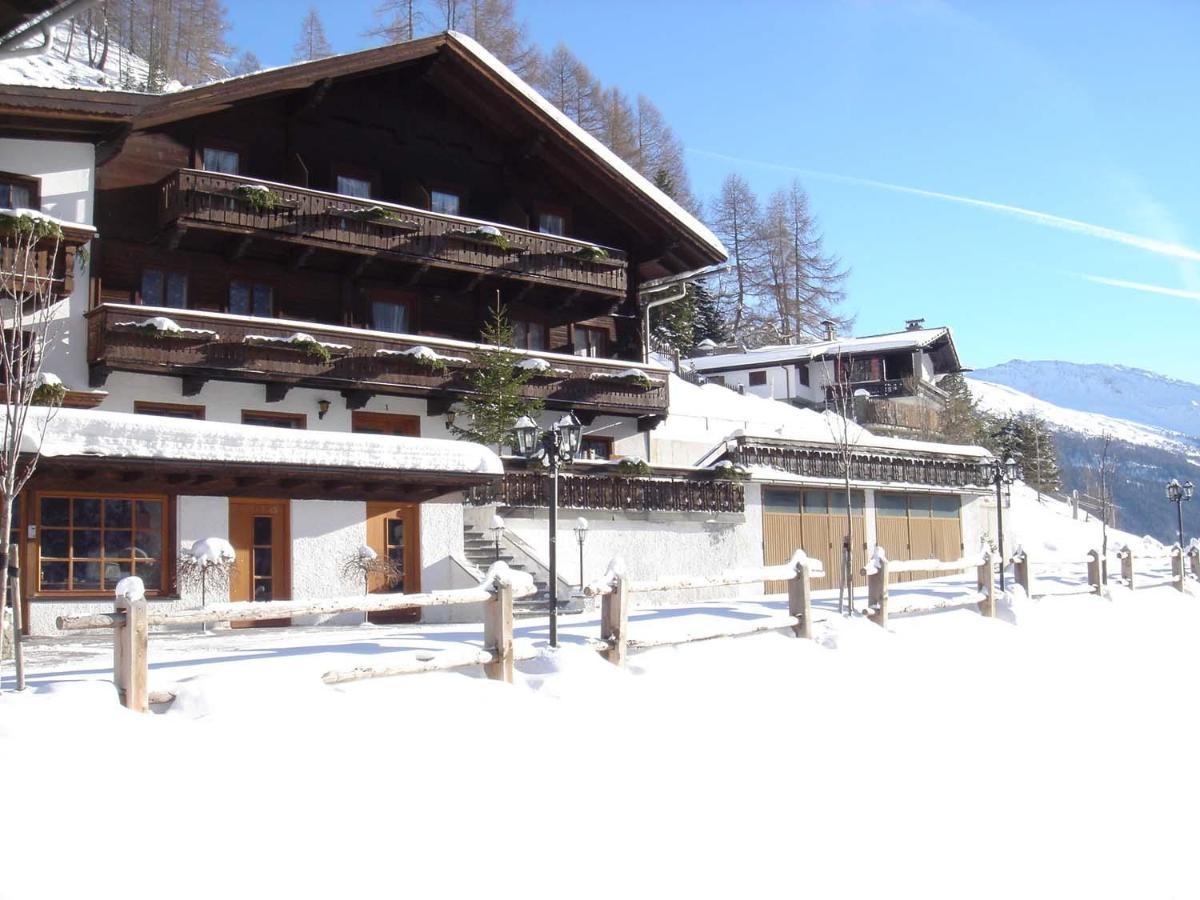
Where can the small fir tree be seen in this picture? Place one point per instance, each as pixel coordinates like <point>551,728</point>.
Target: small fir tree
<point>961,421</point>
<point>708,322</point>
<point>497,388</point>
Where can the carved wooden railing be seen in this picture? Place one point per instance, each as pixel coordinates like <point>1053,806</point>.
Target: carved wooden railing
<point>214,346</point>
<point>623,492</point>
<point>190,197</point>
<point>52,261</point>
<point>868,464</point>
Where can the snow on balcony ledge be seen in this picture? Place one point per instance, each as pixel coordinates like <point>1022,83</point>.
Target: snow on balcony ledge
<point>162,326</point>
<point>628,376</point>
<point>425,356</point>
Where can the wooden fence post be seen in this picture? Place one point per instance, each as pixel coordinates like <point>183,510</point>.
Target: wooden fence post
<point>1194,555</point>
<point>1126,557</point>
<point>1177,567</point>
<point>498,631</point>
<point>614,620</point>
<point>877,592</point>
<point>1021,571</point>
<point>1093,571</point>
<point>130,662</point>
<point>800,600</point>
<point>986,582</point>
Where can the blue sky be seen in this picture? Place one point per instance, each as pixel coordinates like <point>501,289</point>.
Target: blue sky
<point>1073,123</point>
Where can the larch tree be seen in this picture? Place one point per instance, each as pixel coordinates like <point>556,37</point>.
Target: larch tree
<point>397,20</point>
<point>246,63</point>
<point>313,44</point>
<point>736,218</point>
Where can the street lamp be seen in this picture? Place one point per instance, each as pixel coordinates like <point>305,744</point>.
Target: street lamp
<point>1177,493</point>
<point>497,530</point>
<point>1000,474</point>
<point>558,445</point>
<point>581,530</point>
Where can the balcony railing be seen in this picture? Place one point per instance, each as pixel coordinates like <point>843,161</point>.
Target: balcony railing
<point>225,347</point>
<point>52,262</point>
<point>900,416</point>
<point>192,198</point>
<point>622,492</point>
<point>869,464</point>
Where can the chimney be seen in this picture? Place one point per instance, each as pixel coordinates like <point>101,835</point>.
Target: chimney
<point>830,329</point>
<point>914,324</point>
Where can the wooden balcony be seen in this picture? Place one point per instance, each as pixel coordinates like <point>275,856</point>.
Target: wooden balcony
<point>359,363</point>
<point>193,199</point>
<point>52,262</point>
<point>619,492</point>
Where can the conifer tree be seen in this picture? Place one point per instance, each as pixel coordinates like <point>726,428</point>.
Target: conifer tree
<point>961,421</point>
<point>708,322</point>
<point>313,43</point>
<point>497,388</point>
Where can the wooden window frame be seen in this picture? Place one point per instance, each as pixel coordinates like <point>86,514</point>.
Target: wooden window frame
<point>154,408</point>
<point>803,377</point>
<point>540,209</point>
<point>253,281</point>
<point>598,439</point>
<point>385,419</point>
<point>33,182</point>
<point>359,173</point>
<point>295,417</point>
<point>532,320</point>
<point>760,375</point>
<point>591,329</point>
<point>166,559</point>
<point>217,143</point>
<point>444,187</point>
<point>166,272</point>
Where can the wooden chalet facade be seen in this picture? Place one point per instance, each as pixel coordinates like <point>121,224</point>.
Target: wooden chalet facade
<point>318,247</point>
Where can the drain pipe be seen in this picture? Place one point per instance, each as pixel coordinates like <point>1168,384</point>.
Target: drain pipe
<point>10,47</point>
<point>672,288</point>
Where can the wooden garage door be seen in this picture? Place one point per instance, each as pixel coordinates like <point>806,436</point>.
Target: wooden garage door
<point>918,526</point>
<point>813,520</point>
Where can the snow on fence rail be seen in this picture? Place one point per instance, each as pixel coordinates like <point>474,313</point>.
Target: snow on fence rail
<point>131,622</point>
<point>879,569</point>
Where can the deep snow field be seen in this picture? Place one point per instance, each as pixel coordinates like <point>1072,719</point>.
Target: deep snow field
<point>1050,753</point>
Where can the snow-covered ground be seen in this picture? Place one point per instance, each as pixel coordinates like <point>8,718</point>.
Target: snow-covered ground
<point>1046,754</point>
<point>67,63</point>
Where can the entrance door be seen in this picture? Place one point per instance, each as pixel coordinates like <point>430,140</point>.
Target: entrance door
<point>393,532</point>
<point>260,534</point>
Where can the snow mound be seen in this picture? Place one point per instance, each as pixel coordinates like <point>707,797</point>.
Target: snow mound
<point>130,588</point>
<point>213,551</point>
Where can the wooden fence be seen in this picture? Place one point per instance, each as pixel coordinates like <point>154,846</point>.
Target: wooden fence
<point>131,621</point>
<point>880,569</point>
<point>1096,564</point>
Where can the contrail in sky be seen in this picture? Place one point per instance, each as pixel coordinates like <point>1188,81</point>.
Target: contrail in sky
<point>1142,286</point>
<point>1163,248</point>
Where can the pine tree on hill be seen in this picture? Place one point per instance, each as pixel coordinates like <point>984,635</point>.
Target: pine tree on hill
<point>313,44</point>
<point>961,420</point>
<point>497,388</point>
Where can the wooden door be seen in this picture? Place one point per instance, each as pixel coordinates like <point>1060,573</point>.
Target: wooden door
<point>814,521</point>
<point>946,523</point>
<point>891,529</point>
<point>261,536</point>
<point>393,532</point>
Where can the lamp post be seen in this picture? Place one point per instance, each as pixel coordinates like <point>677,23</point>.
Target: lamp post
<point>581,531</point>
<point>497,531</point>
<point>1000,474</point>
<point>1177,493</point>
<point>558,445</point>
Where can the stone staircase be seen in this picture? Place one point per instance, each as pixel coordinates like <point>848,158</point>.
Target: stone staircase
<point>480,551</point>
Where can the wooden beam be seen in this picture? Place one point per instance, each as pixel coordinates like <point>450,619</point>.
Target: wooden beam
<point>193,384</point>
<point>98,375</point>
<point>245,481</point>
<point>357,399</point>
<point>135,475</point>
<point>277,391</point>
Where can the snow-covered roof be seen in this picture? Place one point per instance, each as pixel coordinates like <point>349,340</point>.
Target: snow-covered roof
<point>74,432</point>
<point>791,353</point>
<point>712,414</point>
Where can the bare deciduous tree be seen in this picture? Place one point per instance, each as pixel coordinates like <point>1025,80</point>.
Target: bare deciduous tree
<point>313,44</point>
<point>845,435</point>
<point>736,217</point>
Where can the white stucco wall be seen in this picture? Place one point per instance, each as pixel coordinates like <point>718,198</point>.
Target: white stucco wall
<point>66,172</point>
<point>325,535</point>
<point>197,518</point>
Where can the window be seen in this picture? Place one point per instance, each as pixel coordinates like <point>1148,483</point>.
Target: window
<point>18,192</point>
<point>891,504</point>
<point>528,335</point>
<point>590,341</point>
<point>247,298</point>
<point>715,379</point>
<point>353,187</point>
<point>170,410</point>
<point>802,374</point>
<point>385,423</point>
<point>88,544</point>
<point>274,419</point>
<point>444,202</point>
<point>596,448</point>
<point>392,316</point>
<point>217,159</point>
<point>163,288</point>
<point>758,379</point>
<point>781,500</point>
<point>945,506</point>
<point>551,223</point>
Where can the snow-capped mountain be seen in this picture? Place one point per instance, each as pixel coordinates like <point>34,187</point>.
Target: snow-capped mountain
<point>1154,420</point>
<point>1118,392</point>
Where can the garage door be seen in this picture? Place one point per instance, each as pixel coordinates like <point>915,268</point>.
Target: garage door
<point>813,520</point>
<point>918,526</point>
